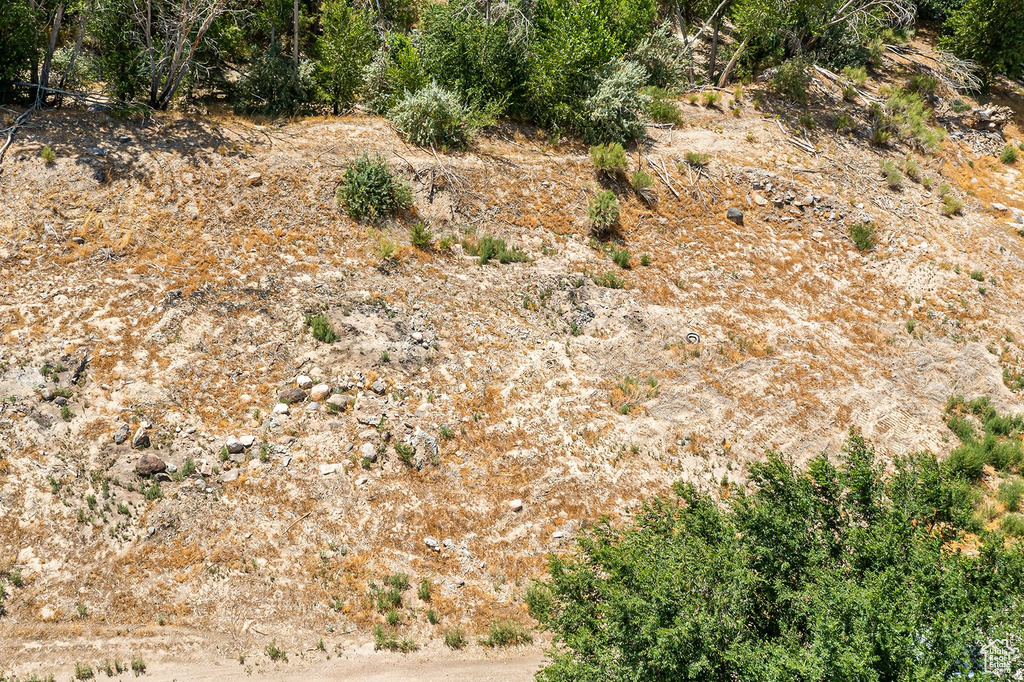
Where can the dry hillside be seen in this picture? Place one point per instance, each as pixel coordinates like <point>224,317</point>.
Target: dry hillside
<point>178,258</point>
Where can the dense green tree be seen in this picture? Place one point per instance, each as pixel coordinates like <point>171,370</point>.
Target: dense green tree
<point>343,49</point>
<point>833,572</point>
<point>990,33</point>
<point>20,42</point>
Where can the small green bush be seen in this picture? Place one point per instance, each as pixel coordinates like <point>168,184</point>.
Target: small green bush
<point>320,326</point>
<point>863,235</point>
<point>894,179</point>
<point>275,653</point>
<point>640,181</point>
<point>369,190</point>
<point>423,591</point>
<point>711,98</point>
<point>844,123</point>
<point>138,665</point>
<point>48,155</point>
<point>540,600</point>
<point>912,170</point>
<point>661,106</point>
<point>951,205</point>
<point>962,427</point>
<point>922,84</point>
<point>609,158</point>
<point>1011,492</point>
<point>1013,524</point>
<point>394,71</point>
<point>272,86</point>
<point>493,248</point>
<point>1008,155</point>
<point>506,633</point>
<point>609,280</point>
<point>696,159</point>
<point>858,75</point>
<point>83,671</point>
<point>620,257</point>
<point>453,638</point>
<point>792,80</point>
<point>421,236</point>
<point>432,116</point>
<point>432,617</point>
<point>977,275</point>
<point>603,212</point>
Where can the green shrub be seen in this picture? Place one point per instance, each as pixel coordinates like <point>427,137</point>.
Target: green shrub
<point>603,212</point>
<point>421,236</point>
<point>962,427</point>
<point>423,591</point>
<point>711,98</point>
<point>386,639</point>
<point>432,617</point>
<point>453,638</point>
<point>894,179</point>
<point>661,106</point>
<point>640,181</point>
<point>792,80</point>
<point>697,159</point>
<point>493,248</point>
<point>1011,492</point>
<point>83,672</point>
<point>844,123</point>
<point>271,86</point>
<point>138,665</point>
<point>951,205</point>
<point>615,111</point>
<point>609,158</point>
<point>369,191</point>
<point>394,71</point>
<point>977,275</point>
<point>406,453</point>
<point>1013,524</point>
<point>48,155</point>
<point>506,633</point>
<point>662,57</point>
<point>609,280</point>
<point>320,326</point>
<point>432,116</point>
<point>858,75</point>
<point>620,257</point>
<point>863,235</point>
<point>540,600</point>
<point>343,49</point>
<point>1008,155</point>
<point>922,84</point>
<point>275,653</point>
<point>912,170</point>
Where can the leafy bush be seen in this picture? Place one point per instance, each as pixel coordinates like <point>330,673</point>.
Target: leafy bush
<point>810,574</point>
<point>271,86</point>
<point>1008,155</point>
<point>343,50</point>
<point>922,84</point>
<point>386,639</point>
<point>394,71</point>
<point>421,236</point>
<point>506,633</point>
<point>539,599</point>
<point>432,116</point>
<point>19,44</point>
<point>609,158</point>
<point>662,57</point>
<point>661,106</point>
<point>275,653</point>
<point>369,191</point>
<point>863,235</point>
<point>615,112</point>
<point>792,80</point>
<point>603,212</point>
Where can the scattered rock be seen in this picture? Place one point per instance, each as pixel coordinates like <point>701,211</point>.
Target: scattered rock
<point>254,180</point>
<point>312,407</point>
<point>319,392</point>
<point>150,465</point>
<point>735,215</point>
<point>368,452</point>
<point>229,476</point>
<point>328,469</point>
<point>339,401</point>
<point>247,441</point>
<point>431,543</point>
<point>304,382</point>
<point>516,505</point>
<point>121,434</point>
<point>281,408</point>
<point>141,438</point>
<point>292,395</point>
<point>558,535</point>
<point>998,207</point>
<point>378,387</point>
<point>46,394</point>
<point>234,446</point>
<point>60,400</point>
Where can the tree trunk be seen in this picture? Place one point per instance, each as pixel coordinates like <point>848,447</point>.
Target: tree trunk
<point>74,57</point>
<point>44,76</point>
<point>295,46</point>
<point>732,63</point>
<point>713,59</point>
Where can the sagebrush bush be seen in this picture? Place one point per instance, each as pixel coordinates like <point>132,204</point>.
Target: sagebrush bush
<point>432,116</point>
<point>615,112</point>
<point>951,206</point>
<point>394,70</point>
<point>696,159</point>
<point>863,235</point>
<point>793,79</point>
<point>1008,155</point>
<point>369,190</point>
<point>603,212</point>
<point>662,56</point>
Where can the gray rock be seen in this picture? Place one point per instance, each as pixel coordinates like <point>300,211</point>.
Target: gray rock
<point>378,387</point>
<point>247,441</point>
<point>735,215</point>
<point>60,400</point>
<point>303,382</point>
<point>234,446</point>
<point>200,484</point>
<point>171,468</point>
<point>339,401</point>
<point>141,438</point>
<point>312,407</point>
<point>430,542</point>
<point>121,435</point>
<point>516,505</point>
<point>368,452</point>
<point>229,476</point>
<point>328,469</point>
<point>292,395</point>
<point>46,394</point>
<point>150,465</point>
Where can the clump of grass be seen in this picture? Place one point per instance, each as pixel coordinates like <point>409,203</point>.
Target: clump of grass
<point>1008,155</point>
<point>405,453</point>
<point>539,600</point>
<point>858,75</point>
<point>922,84</point>
<point>454,638</point>
<point>421,236</point>
<point>48,155</point>
<point>609,158</point>
<point>630,391</point>
<point>977,275</point>
<point>844,123</point>
<point>711,98</point>
<point>275,653</point>
<point>912,170</point>
<point>645,259</point>
<point>399,581</point>
<point>911,326</point>
<point>506,633</point>
<point>386,640</point>
<point>620,257</point>
<point>423,591</point>
<point>863,235</point>
<point>951,206</point>
<point>603,213</point>
<point>320,326</point>
<point>153,492</point>
<point>1013,524</point>
<point>386,249</point>
<point>661,107</point>
<point>83,671</point>
<point>696,159</point>
<point>432,617</point>
<point>609,280</point>
<point>494,248</point>
<point>892,175</point>
<point>392,618</point>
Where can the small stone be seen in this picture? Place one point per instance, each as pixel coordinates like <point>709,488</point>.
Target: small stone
<point>735,215</point>
<point>362,480</point>
<point>320,392</point>
<point>234,447</point>
<point>430,542</point>
<point>150,465</point>
<point>312,407</point>
<point>254,180</point>
<point>229,476</point>
<point>292,395</point>
<point>417,337</point>
<point>171,468</point>
<point>558,535</point>
<point>998,207</point>
<point>281,408</point>
<point>516,505</point>
<point>378,387</point>
<point>368,452</point>
<point>247,441</point>
<point>46,394</point>
<point>78,240</point>
<point>328,469</point>
<point>141,438</point>
<point>339,401</point>
<point>121,435</point>
<point>60,400</point>
<point>304,382</point>
<point>200,484</point>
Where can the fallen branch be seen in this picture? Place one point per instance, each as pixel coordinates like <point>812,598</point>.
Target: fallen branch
<point>21,120</point>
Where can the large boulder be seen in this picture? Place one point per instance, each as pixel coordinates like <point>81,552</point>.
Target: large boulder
<point>150,465</point>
